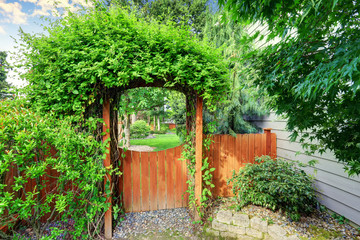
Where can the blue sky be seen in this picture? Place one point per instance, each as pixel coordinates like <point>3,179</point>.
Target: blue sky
<point>27,15</point>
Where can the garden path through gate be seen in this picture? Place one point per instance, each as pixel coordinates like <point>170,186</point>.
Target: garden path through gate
<point>153,180</point>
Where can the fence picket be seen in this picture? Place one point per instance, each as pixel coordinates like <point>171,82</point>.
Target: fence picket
<point>161,180</point>
<point>145,182</point>
<point>178,177</point>
<point>127,179</point>
<point>153,181</point>
<point>136,181</point>
<point>170,178</point>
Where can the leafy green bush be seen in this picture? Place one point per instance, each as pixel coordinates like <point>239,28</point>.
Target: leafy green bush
<point>58,173</point>
<point>139,129</point>
<point>276,185</point>
<point>164,128</point>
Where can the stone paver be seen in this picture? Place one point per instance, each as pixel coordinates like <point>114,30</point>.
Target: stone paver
<point>276,232</point>
<point>241,220</point>
<point>254,233</point>
<point>224,216</point>
<point>258,224</point>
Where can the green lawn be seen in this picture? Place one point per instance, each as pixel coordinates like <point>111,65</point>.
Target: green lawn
<point>161,141</point>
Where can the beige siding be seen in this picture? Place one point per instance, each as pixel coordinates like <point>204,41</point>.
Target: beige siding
<point>335,189</point>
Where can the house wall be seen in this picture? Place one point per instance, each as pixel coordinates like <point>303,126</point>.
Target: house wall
<point>335,189</point>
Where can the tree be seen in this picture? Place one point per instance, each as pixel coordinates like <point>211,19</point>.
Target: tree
<point>243,99</point>
<point>147,99</point>
<point>183,12</point>
<point>3,67</point>
<point>312,72</point>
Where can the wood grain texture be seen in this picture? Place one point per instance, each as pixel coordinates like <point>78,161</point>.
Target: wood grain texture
<point>145,182</point>
<point>136,204</point>
<point>170,178</point>
<point>107,163</point>
<point>161,180</point>
<point>153,181</point>
<point>127,180</point>
<point>251,149</point>
<point>217,164</point>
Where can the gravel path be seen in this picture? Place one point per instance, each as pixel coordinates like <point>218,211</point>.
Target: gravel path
<point>160,224</point>
<point>141,148</point>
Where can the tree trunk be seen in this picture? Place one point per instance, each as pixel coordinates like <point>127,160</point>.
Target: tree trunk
<point>126,142</point>
<point>133,118</point>
<point>158,122</point>
<point>154,122</point>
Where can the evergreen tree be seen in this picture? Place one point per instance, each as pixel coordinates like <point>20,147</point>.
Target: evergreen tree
<point>244,99</point>
<point>183,12</point>
<point>4,85</point>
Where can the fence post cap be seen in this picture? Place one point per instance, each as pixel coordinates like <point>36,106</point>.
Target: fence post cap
<point>268,129</point>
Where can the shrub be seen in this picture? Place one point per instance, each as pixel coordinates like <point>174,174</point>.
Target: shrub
<point>276,185</point>
<point>139,129</point>
<point>57,172</point>
<point>163,129</point>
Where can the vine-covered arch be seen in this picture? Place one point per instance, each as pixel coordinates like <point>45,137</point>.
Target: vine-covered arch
<point>84,61</point>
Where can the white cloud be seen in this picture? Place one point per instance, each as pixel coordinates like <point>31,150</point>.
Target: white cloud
<point>2,30</point>
<point>48,7</point>
<point>12,12</point>
<point>30,1</point>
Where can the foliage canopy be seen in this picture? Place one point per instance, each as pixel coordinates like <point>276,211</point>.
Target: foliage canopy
<point>312,72</point>
<point>83,54</point>
<point>181,12</point>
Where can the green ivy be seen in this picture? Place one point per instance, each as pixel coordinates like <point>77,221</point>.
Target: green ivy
<point>76,172</point>
<point>188,155</point>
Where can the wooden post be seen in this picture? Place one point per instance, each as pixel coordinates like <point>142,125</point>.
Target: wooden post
<point>107,163</point>
<point>198,152</point>
<point>267,132</point>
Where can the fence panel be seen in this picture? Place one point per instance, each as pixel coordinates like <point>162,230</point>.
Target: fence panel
<point>157,180</point>
<point>229,154</point>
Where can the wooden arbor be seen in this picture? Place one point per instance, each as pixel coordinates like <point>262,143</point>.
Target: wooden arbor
<point>198,153</point>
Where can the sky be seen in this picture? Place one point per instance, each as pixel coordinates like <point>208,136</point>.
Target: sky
<point>26,14</point>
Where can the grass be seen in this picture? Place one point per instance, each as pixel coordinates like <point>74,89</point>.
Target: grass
<point>160,142</point>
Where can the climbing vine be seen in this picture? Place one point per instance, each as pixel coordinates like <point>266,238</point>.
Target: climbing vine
<point>207,170</point>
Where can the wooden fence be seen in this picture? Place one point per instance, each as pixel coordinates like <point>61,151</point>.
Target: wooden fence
<point>228,153</point>
<point>157,180</point>
<point>153,180</point>
<point>49,180</point>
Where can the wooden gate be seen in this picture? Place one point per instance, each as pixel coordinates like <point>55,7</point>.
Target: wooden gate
<point>153,180</point>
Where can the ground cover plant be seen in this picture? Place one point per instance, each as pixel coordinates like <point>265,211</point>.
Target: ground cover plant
<point>275,184</point>
<point>57,173</point>
<point>160,142</point>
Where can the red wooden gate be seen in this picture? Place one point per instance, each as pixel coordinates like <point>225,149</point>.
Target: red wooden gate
<point>153,180</point>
